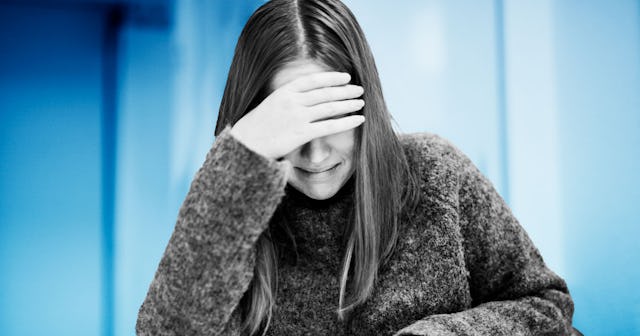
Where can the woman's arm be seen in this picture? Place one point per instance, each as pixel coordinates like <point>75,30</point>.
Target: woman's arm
<point>209,260</point>
<point>513,291</point>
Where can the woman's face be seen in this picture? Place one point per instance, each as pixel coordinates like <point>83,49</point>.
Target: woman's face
<point>323,165</point>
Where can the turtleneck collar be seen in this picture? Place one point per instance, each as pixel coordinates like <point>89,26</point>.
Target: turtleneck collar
<point>345,193</point>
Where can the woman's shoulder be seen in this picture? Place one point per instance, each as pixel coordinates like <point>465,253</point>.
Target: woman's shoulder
<point>431,149</point>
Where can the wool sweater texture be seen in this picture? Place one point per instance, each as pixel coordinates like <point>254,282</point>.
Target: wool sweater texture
<point>463,265</point>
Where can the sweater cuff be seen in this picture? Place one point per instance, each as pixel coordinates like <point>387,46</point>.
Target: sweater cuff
<point>242,159</point>
<point>426,327</point>
<point>249,185</point>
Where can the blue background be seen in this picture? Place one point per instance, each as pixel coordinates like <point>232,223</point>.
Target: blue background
<point>107,109</point>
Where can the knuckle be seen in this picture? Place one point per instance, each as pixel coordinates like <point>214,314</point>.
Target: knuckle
<point>330,109</point>
<point>332,125</point>
<point>287,102</point>
<point>313,80</point>
<point>315,96</point>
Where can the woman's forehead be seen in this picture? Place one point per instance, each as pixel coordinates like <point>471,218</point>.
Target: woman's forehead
<point>294,70</point>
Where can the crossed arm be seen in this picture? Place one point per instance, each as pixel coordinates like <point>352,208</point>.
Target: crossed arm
<point>513,291</point>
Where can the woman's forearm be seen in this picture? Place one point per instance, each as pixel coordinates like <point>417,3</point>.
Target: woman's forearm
<point>209,260</point>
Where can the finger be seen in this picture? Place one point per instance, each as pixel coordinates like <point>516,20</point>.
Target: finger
<point>318,80</point>
<point>323,128</point>
<point>328,94</point>
<point>335,108</point>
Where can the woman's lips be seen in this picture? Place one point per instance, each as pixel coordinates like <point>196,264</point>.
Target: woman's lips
<point>317,171</point>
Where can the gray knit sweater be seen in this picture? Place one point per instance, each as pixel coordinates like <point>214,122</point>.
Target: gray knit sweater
<point>463,264</point>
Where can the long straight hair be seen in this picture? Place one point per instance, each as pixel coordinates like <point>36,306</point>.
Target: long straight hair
<point>325,31</point>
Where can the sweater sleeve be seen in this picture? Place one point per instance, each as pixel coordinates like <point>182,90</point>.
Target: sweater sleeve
<point>513,291</point>
<point>208,263</point>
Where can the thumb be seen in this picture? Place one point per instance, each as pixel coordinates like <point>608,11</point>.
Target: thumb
<point>286,166</point>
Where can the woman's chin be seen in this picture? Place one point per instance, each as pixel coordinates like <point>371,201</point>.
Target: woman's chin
<point>319,192</point>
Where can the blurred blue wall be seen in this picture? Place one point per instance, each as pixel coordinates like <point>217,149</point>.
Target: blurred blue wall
<point>107,109</point>
<point>598,99</point>
<point>170,86</point>
<point>51,101</point>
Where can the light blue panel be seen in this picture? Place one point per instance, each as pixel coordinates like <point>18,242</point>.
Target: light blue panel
<point>142,219</point>
<point>205,35</point>
<point>598,81</point>
<point>439,70</point>
<point>50,170</point>
<point>534,170</point>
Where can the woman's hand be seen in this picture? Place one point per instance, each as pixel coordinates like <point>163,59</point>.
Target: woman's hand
<point>295,113</point>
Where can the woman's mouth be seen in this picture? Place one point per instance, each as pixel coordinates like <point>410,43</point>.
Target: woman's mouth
<point>318,170</point>
<point>318,174</point>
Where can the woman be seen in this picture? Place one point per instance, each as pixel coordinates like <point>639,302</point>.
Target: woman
<point>310,216</point>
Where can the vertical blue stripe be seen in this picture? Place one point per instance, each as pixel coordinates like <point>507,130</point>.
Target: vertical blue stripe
<point>502,101</point>
<point>109,122</point>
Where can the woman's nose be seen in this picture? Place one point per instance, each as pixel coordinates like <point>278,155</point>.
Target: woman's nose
<point>315,151</point>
